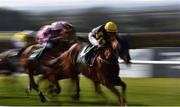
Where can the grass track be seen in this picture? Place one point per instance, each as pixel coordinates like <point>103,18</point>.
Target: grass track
<point>140,92</point>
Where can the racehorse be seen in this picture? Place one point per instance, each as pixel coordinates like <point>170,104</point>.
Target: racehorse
<point>33,68</point>
<point>105,69</point>
<point>9,61</point>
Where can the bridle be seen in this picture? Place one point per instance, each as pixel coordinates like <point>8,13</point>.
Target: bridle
<point>115,54</point>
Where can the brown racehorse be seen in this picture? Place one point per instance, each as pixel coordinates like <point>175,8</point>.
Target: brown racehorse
<point>33,68</point>
<point>105,69</point>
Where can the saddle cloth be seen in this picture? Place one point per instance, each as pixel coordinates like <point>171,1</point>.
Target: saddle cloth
<point>13,56</point>
<point>14,53</point>
<point>35,52</point>
<point>87,55</point>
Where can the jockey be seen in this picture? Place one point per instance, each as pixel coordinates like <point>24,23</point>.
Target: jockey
<point>50,35</point>
<point>20,40</point>
<point>43,34</point>
<point>99,37</point>
<point>23,39</point>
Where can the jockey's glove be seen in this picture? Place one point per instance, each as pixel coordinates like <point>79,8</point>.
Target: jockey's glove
<point>101,41</point>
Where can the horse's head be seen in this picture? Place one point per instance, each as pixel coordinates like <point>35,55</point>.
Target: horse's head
<point>124,50</point>
<point>109,51</point>
<point>121,46</point>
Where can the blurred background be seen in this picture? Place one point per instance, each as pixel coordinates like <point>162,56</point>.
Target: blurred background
<point>132,16</point>
<point>137,17</point>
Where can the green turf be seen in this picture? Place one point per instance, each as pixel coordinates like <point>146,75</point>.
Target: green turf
<point>140,92</point>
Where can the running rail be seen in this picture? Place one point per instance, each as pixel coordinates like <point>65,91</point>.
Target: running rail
<point>152,62</point>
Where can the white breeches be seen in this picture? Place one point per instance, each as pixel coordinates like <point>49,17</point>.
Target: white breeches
<point>92,40</point>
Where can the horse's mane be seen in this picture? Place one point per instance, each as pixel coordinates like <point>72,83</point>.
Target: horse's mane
<point>24,48</point>
<point>68,58</point>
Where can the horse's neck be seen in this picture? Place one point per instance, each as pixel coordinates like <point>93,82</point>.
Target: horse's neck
<point>60,47</point>
<point>110,54</point>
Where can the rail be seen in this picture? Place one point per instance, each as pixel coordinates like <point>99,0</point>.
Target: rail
<point>152,62</point>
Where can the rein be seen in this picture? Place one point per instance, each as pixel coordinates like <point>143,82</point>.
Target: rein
<point>104,60</point>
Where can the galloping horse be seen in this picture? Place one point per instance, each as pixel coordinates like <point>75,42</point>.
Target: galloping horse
<point>33,67</point>
<point>9,60</point>
<point>105,69</point>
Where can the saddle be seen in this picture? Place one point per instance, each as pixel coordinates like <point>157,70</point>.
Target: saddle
<point>87,55</point>
<point>14,53</point>
<point>13,56</point>
<point>35,52</point>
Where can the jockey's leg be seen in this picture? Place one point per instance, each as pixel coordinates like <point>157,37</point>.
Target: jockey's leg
<point>41,53</point>
<point>91,51</point>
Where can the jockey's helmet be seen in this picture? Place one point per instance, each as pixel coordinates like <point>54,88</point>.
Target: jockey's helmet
<point>57,25</point>
<point>111,27</point>
<point>47,28</point>
<point>44,30</point>
<point>20,36</point>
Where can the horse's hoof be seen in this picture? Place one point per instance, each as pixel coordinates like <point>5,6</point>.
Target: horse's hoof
<point>58,91</point>
<point>75,97</point>
<point>42,98</point>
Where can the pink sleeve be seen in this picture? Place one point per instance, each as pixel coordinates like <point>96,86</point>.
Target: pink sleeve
<point>42,34</point>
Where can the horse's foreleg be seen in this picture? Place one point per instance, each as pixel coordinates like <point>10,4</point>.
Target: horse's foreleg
<point>28,91</point>
<point>77,95</point>
<point>97,87</point>
<point>58,88</point>
<point>54,81</point>
<point>117,93</point>
<point>34,86</point>
<point>123,85</point>
<point>31,83</point>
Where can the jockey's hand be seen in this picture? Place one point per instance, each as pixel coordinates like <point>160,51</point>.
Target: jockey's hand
<point>101,41</point>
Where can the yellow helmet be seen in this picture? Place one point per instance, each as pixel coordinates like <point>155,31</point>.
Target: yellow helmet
<point>111,27</point>
<point>20,36</point>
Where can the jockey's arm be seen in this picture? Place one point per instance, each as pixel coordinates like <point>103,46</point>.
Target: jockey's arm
<point>58,38</point>
<point>92,39</point>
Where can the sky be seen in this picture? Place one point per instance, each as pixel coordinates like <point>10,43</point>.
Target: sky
<point>69,4</point>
